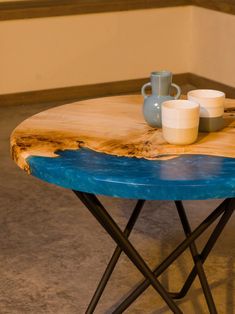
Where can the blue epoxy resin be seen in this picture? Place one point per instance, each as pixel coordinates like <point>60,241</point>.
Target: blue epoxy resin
<point>188,177</point>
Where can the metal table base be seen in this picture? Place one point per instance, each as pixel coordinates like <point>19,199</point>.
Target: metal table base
<point>224,211</point>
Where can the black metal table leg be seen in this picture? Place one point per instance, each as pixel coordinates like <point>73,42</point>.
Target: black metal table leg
<point>115,232</point>
<point>226,207</point>
<point>205,252</point>
<point>114,259</point>
<point>196,258</point>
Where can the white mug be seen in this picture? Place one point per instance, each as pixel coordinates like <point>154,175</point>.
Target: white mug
<point>180,121</point>
<point>211,108</point>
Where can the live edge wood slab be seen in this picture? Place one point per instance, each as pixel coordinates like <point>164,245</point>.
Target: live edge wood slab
<point>114,126</point>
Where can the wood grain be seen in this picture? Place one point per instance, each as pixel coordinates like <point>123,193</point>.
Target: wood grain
<point>111,125</point>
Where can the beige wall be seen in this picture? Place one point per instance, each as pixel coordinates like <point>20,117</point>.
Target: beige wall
<point>84,49</point>
<point>213,49</point>
<point>56,52</point>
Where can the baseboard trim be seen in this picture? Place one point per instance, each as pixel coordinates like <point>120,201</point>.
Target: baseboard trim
<point>73,93</point>
<point>15,10</point>
<point>203,82</point>
<point>49,8</point>
<point>225,6</point>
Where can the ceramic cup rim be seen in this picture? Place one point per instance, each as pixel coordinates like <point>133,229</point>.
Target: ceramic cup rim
<point>180,104</point>
<point>206,94</point>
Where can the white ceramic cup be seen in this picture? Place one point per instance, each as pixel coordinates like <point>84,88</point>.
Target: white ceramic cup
<point>180,120</point>
<point>211,108</point>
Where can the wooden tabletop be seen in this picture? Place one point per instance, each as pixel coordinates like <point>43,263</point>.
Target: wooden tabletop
<point>104,146</point>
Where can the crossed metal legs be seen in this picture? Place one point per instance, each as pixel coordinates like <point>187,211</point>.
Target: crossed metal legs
<point>224,210</point>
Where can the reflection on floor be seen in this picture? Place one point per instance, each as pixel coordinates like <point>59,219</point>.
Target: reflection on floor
<point>52,252</point>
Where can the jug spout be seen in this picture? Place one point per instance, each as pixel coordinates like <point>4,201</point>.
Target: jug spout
<point>161,82</point>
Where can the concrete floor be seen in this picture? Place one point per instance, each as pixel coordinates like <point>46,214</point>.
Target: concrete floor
<point>53,252</point>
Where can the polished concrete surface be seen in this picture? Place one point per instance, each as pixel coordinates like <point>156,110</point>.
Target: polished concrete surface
<point>53,252</point>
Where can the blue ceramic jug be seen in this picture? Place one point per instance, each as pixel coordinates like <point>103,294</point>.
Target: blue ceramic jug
<point>161,81</point>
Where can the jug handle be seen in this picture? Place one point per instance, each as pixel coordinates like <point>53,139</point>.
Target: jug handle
<point>143,89</point>
<point>178,90</point>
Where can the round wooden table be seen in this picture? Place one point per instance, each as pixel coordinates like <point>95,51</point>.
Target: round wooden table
<point>103,146</point>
